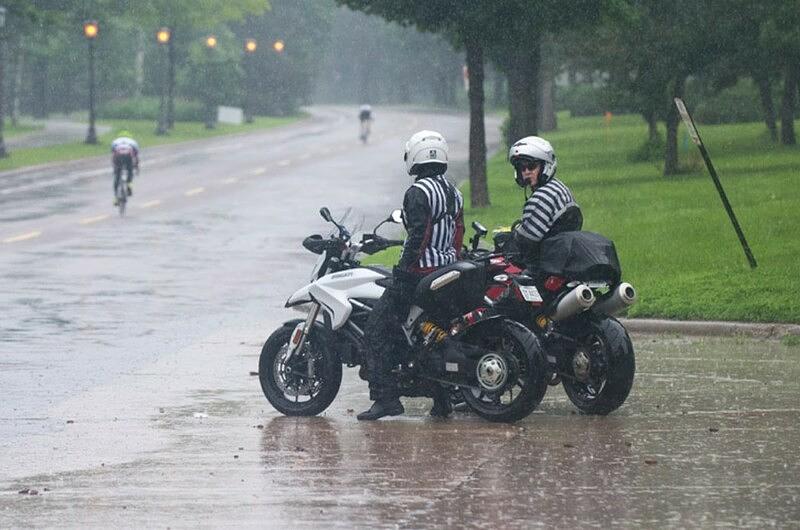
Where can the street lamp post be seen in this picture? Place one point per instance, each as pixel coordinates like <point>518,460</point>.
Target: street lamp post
<point>250,46</point>
<point>162,37</point>
<point>211,43</point>
<point>3,152</point>
<point>90,30</point>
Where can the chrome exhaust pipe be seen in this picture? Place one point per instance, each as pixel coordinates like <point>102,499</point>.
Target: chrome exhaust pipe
<point>616,301</point>
<point>577,300</point>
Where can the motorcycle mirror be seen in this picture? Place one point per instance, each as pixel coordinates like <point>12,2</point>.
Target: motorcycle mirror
<point>479,228</point>
<point>396,216</point>
<point>326,214</point>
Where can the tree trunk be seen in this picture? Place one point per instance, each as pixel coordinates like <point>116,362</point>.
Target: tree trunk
<point>139,64</point>
<point>652,126</point>
<point>673,120</point>
<point>16,87</point>
<point>171,80</point>
<point>479,191</point>
<point>788,105</point>
<point>765,91</point>
<point>499,89</point>
<point>523,94</point>
<point>40,110</point>
<point>547,101</point>
<point>3,152</point>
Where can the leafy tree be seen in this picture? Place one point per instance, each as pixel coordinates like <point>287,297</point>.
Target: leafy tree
<point>519,29</point>
<point>282,81</point>
<point>780,36</point>
<point>465,24</point>
<point>370,60</point>
<point>186,19</point>
<point>652,47</point>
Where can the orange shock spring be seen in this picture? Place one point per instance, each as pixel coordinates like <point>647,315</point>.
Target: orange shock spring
<point>432,332</point>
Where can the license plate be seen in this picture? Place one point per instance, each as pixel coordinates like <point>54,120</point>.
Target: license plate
<point>530,293</point>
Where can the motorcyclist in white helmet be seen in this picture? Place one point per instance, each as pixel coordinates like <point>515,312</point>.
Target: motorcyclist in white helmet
<point>433,215</point>
<point>551,208</point>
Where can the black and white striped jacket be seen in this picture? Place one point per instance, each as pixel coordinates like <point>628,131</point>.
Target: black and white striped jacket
<point>433,212</point>
<point>548,204</point>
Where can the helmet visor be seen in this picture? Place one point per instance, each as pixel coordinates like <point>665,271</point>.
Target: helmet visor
<point>525,164</point>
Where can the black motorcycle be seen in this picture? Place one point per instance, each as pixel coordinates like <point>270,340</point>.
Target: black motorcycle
<point>568,297</point>
<point>453,341</point>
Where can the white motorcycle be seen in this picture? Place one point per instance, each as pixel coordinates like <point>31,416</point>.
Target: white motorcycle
<point>454,339</point>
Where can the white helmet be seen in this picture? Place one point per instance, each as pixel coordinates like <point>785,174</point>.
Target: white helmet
<point>423,148</point>
<point>535,149</point>
<point>365,108</point>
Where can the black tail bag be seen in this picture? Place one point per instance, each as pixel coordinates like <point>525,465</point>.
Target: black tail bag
<point>584,256</point>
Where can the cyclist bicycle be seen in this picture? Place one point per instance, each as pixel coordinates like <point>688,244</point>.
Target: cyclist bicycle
<point>124,155</point>
<point>365,118</point>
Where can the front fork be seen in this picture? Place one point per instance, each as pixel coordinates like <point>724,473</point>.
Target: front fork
<point>301,331</point>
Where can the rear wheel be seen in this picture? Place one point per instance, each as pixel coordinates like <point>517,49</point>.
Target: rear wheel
<point>304,385</point>
<point>603,367</point>
<point>122,197</point>
<point>512,374</point>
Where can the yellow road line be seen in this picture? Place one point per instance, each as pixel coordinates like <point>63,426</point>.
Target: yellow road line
<point>150,204</point>
<point>194,191</point>
<point>284,163</point>
<point>259,171</point>
<point>23,237</point>
<point>96,218</point>
<point>230,180</point>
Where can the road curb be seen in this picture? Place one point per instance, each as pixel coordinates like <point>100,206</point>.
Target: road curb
<point>710,328</point>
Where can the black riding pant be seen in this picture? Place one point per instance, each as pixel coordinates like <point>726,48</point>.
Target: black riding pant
<point>385,340</point>
<point>122,162</point>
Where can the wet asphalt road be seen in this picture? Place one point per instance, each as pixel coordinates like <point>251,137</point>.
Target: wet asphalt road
<point>128,346</point>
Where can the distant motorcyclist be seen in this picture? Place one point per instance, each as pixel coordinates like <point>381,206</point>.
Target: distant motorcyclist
<point>124,155</point>
<point>365,120</point>
<point>434,220</point>
<point>551,208</point>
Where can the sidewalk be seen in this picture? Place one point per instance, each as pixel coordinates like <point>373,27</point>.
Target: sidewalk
<point>710,328</point>
<point>54,132</point>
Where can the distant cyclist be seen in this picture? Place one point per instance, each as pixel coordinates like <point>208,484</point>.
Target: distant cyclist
<point>124,155</point>
<point>365,117</point>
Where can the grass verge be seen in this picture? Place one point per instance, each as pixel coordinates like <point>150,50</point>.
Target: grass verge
<point>144,133</point>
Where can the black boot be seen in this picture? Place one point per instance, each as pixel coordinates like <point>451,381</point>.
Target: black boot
<point>441,405</point>
<point>381,408</point>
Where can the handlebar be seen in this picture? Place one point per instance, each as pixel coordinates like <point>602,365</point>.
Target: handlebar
<point>372,243</point>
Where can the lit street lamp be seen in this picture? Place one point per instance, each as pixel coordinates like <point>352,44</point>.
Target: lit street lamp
<point>3,152</point>
<point>211,43</point>
<point>90,31</point>
<point>162,37</point>
<point>250,46</point>
<point>278,46</point>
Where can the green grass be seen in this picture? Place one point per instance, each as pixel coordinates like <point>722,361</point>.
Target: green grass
<point>142,130</point>
<point>675,242</point>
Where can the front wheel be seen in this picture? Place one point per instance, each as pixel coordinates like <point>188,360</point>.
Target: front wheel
<point>305,384</point>
<point>512,374</point>
<point>603,367</point>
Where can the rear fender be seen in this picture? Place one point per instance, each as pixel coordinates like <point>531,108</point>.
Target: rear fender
<point>475,320</point>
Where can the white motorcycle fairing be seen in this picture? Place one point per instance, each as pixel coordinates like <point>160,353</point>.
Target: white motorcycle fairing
<point>334,291</point>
